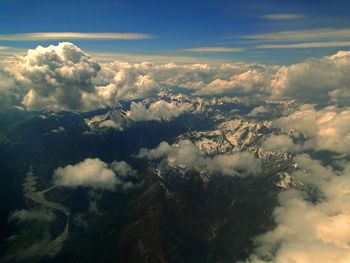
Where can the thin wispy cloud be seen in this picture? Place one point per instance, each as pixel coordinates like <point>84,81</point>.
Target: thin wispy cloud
<point>308,45</point>
<point>8,52</point>
<point>213,49</point>
<point>320,33</point>
<point>73,36</point>
<point>153,58</point>
<point>282,16</point>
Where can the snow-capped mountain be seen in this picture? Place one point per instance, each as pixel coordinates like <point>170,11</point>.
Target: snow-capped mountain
<point>116,119</point>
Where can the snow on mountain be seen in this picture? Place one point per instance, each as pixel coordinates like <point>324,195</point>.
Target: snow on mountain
<point>114,119</point>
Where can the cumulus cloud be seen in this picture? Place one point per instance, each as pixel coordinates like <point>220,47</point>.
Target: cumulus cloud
<point>321,81</point>
<point>123,169</point>
<point>56,77</point>
<point>123,80</point>
<point>98,175</point>
<point>187,154</point>
<point>248,82</point>
<point>280,142</point>
<point>309,231</point>
<point>159,110</point>
<point>23,216</point>
<point>126,81</point>
<point>92,173</point>
<point>326,129</point>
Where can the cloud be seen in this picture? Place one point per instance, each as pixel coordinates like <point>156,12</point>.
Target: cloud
<point>326,129</point>
<point>251,81</point>
<point>185,153</point>
<point>258,111</point>
<point>283,16</point>
<point>64,77</point>
<point>320,81</point>
<point>319,33</point>
<point>8,91</point>
<point>98,175</point>
<point>308,231</point>
<point>213,49</point>
<point>124,81</point>
<point>7,53</point>
<point>282,143</point>
<point>23,216</point>
<point>307,45</point>
<point>156,58</point>
<point>123,169</point>
<point>159,110</point>
<point>89,173</point>
<point>56,77</point>
<point>36,36</point>
<point>235,78</point>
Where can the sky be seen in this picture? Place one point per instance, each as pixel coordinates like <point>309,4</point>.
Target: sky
<point>266,31</point>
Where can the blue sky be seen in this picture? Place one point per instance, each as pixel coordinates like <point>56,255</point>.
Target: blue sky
<point>248,30</point>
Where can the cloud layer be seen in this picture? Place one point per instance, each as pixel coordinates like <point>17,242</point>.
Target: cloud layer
<point>64,77</point>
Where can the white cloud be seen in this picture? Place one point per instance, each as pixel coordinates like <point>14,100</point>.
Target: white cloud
<point>185,153</point>
<point>124,81</point>
<point>321,81</point>
<point>326,129</point>
<point>159,110</point>
<point>72,36</point>
<point>156,58</point>
<point>319,33</point>
<point>64,77</point>
<point>280,142</point>
<point>55,77</point>
<point>309,231</point>
<point>98,175</point>
<point>307,45</point>
<point>89,173</point>
<point>248,82</point>
<point>123,169</point>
